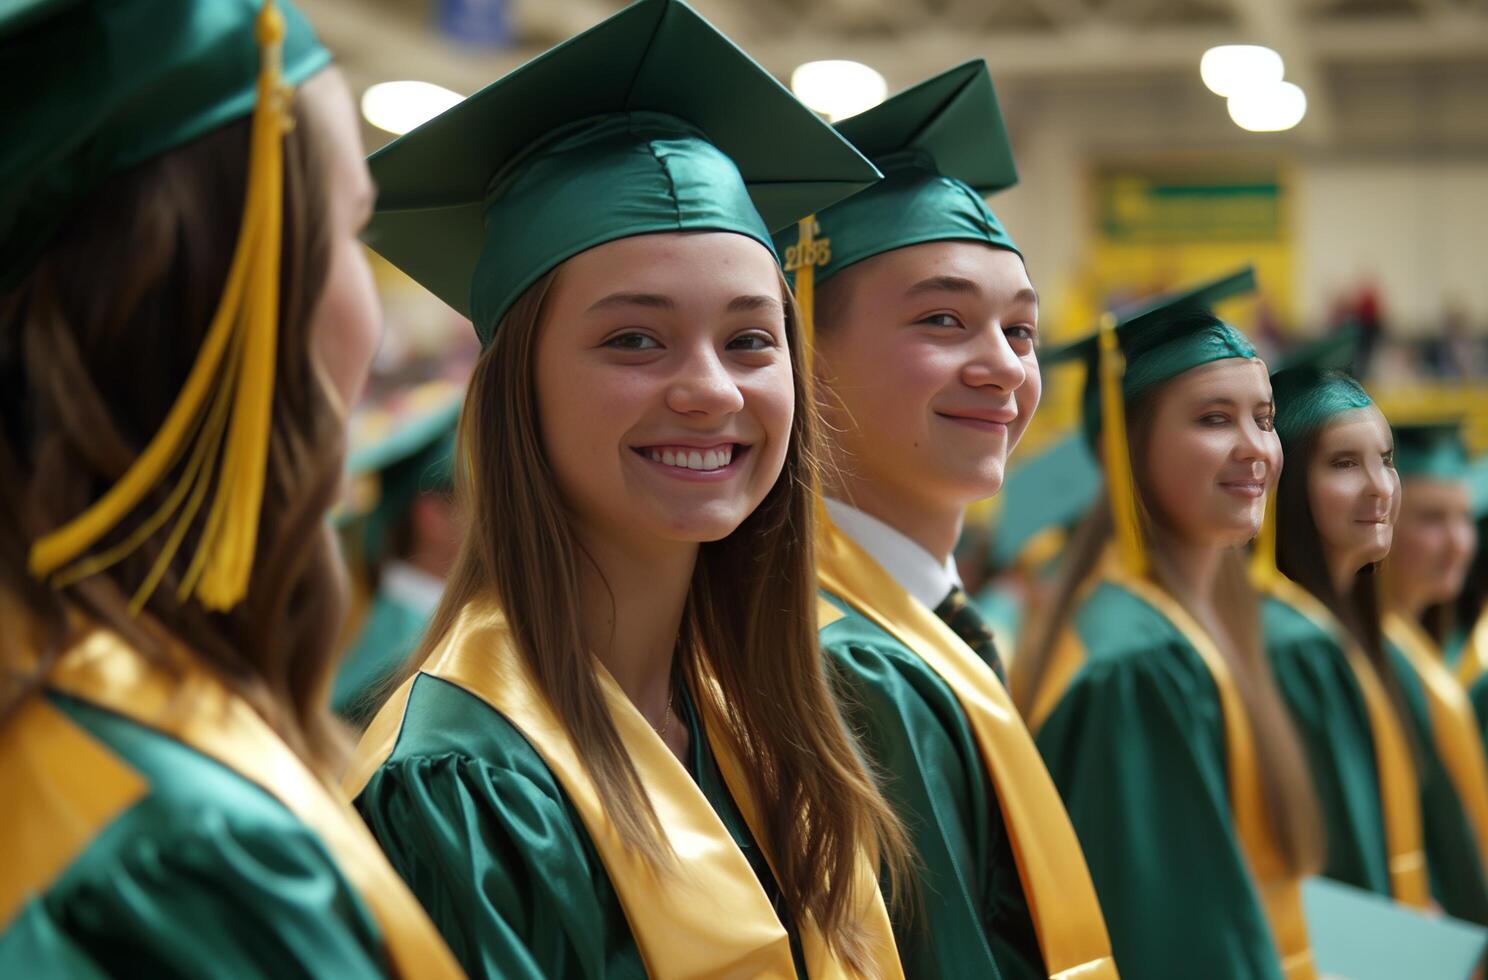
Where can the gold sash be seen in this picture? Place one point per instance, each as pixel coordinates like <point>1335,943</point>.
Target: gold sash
<point>710,919</point>
<point>199,711</point>
<point>1280,892</point>
<point>1061,899</point>
<point>1474,653</point>
<point>1453,725</point>
<point>1399,789</point>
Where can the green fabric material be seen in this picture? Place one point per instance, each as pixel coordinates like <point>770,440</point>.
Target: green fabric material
<point>388,639</point>
<point>207,875</point>
<point>1054,489</point>
<point>1002,608</point>
<point>1477,485</point>
<point>968,916</point>
<point>1162,339</point>
<point>476,823</point>
<point>1478,695</point>
<point>650,122</point>
<point>1308,398</point>
<point>1431,450</point>
<point>941,145</point>
<point>417,457</point>
<point>1327,707</point>
<point>90,88</point>
<point>1456,870</point>
<point>1136,746</point>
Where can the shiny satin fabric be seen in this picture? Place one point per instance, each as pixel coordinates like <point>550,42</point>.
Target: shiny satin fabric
<point>1397,797</point>
<point>196,710</point>
<point>716,901</point>
<point>1061,899</point>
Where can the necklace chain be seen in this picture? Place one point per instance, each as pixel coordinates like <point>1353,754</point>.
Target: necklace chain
<point>666,719</point>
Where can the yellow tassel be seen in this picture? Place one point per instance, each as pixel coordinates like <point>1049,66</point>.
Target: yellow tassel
<point>1119,481</point>
<point>805,269</point>
<point>1263,570</point>
<point>230,387</point>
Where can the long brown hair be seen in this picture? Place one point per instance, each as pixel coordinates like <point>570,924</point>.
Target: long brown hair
<point>95,343</point>
<point>1301,558</point>
<point>749,623</point>
<point>1291,807</point>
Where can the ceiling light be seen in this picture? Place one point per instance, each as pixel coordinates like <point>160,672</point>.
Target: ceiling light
<point>838,89</point>
<point>1232,68</point>
<point>400,106</point>
<point>1269,109</point>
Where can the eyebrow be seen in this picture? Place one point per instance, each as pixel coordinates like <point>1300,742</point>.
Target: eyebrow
<point>653,301</point>
<point>750,304</point>
<point>956,284</point>
<point>1228,402</point>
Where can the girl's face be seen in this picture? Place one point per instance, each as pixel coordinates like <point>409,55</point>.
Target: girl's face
<point>1434,540</point>
<point>1352,489</point>
<point>1213,454</point>
<point>664,385</point>
<point>347,322</point>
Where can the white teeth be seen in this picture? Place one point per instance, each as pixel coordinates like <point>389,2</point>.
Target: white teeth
<point>668,457</point>
<point>710,460</point>
<point>694,460</point>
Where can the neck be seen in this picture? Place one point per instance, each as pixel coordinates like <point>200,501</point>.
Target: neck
<point>1196,566</point>
<point>631,603</point>
<point>1342,571</point>
<point>936,529</point>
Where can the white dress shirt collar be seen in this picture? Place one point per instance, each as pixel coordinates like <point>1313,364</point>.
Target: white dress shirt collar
<point>915,569</point>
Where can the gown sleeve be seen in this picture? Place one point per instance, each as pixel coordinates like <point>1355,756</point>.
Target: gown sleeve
<point>965,914</point>
<point>166,893</point>
<point>1136,747</point>
<point>502,866</point>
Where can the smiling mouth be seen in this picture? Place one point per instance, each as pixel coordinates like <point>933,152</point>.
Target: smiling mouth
<point>977,421</point>
<point>699,459</point>
<point>1248,488</point>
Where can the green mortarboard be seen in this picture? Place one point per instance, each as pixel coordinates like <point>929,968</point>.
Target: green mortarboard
<point>1311,386</point>
<point>941,146</point>
<point>1163,338</point>
<point>1052,490</point>
<point>1432,450</point>
<point>1477,484</point>
<point>650,122</point>
<point>90,88</point>
<point>416,455</point>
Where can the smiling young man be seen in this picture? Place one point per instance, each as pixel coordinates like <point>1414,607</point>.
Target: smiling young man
<point>925,332</point>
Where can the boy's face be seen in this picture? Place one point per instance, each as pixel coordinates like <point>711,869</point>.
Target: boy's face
<point>929,369</point>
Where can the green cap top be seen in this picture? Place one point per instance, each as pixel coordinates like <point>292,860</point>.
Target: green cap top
<point>89,88</point>
<point>652,121</point>
<point>1431,450</point>
<point>1162,339</point>
<point>1052,490</point>
<point>1477,483</point>
<point>1312,387</point>
<point>941,145</point>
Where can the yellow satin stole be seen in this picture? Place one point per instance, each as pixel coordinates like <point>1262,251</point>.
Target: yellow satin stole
<point>1399,788</point>
<point>711,919</point>
<point>78,785</point>
<point>1474,653</point>
<point>1454,728</point>
<point>1051,866</point>
<point>1280,891</point>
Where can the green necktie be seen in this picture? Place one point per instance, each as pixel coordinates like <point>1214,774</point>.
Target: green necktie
<point>957,612</point>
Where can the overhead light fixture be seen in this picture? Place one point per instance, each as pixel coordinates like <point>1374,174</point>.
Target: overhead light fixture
<point>1234,68</point>
<point>400,106</point>
<point>838,89</point>
<point>1269,109</point>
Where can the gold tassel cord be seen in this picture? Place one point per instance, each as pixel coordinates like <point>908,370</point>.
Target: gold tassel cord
<point>236,362</point>
<point>1119,481</point>
<point>805,268</point>
<point>1263,570</point>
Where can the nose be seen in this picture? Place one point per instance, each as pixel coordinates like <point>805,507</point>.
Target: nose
<point>702,386</point>
<point>1383,483</point>
<point>1258,446</point>
<point>994,363</point>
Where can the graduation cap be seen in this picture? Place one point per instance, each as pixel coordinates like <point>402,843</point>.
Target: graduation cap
<point>652,121</point>
<point>1477,484</point>
<point>90,88</point>
<point>413,454</point>
<point>1312,386</point>
<point>1431,450</point>
<point>941,145</point>
<point>1048,493</point>
<point>1134,351</point>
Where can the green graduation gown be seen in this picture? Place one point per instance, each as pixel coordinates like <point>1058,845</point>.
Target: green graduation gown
<point>1318,685</point>
<point>1453,858</point>
<point>389,636</point>
<point>968,915</point>
<point>1136,743</point>
<point>480,828</point>
<point>143,854</point>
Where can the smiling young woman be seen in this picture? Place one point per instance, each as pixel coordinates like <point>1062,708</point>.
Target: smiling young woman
<point>1334,518</point>
<point>619,753</point>
<point>1145,680</point>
